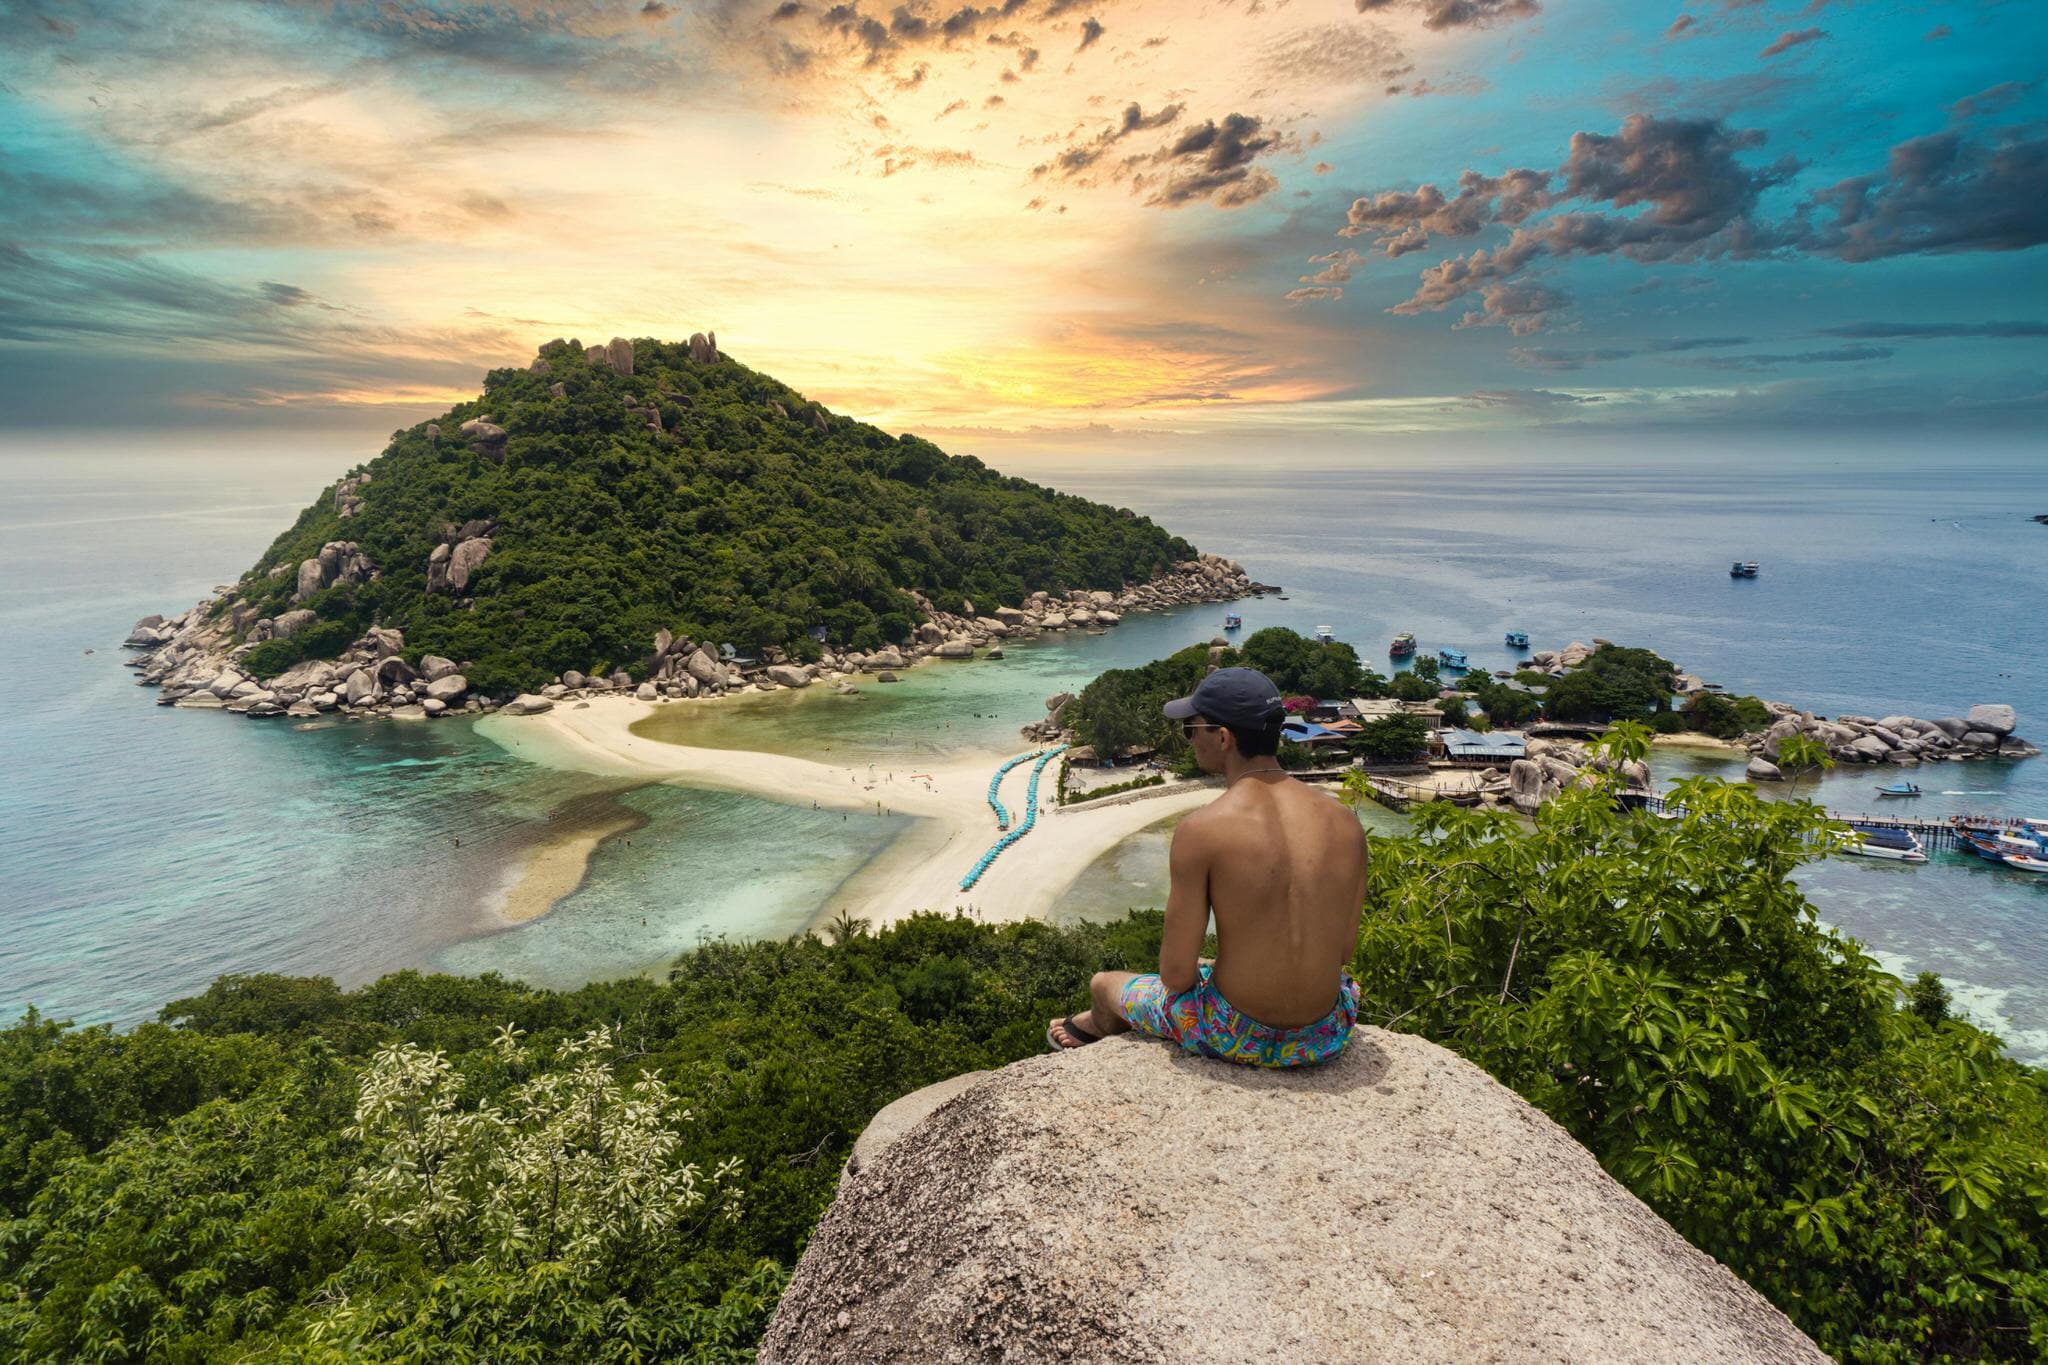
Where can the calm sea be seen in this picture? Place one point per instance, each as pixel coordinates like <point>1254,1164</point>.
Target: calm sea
<point>145,850</point>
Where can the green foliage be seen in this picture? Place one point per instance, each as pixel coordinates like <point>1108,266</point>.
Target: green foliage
<point>1413,687</point>
<point>1725,717</point>
<point>1663,991</point>
<point>1454,712</point>
<point>1391,739</point>
<point>1803,754</point>
<point>1613,682</point>
<point>733,523</point>
<point>1928,998</point>
<point>1504,706</point>
<point>1297,664</point>
<point>1122,705</point>
<point>252,1181</point>
<point>1075,798</point>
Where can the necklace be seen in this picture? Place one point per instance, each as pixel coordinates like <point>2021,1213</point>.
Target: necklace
<point>1249,772</point>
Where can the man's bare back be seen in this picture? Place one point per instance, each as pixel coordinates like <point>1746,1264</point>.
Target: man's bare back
<point>1282,867</point>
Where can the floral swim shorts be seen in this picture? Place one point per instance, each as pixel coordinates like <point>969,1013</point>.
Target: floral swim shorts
<point>1204,1023</point>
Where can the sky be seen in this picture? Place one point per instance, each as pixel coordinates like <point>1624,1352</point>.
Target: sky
<point>1054,225</point>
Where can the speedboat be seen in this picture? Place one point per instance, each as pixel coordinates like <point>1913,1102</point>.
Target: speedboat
<point>1232,621</point>
<point>1403,646</point>
<point>1325,636</point>
<point>1452,658</point>
<point>1743,568</point>
<point>1518,639</point>
<point>2025,863</point>
<point>1899,789</point>
<point>1876,841</point>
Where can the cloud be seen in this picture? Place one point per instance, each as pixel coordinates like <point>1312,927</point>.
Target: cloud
<point>897,158</point>
<point>1322,168</point>
<point>1526,398</point>
<point>1684,23</point>
<point>1792,38</point>
<point>1214,162</point>
<point>1839,355</point>
<point>1443,14</point>
<point>1521,308</point>
<point>1549,358</point>
<point>1405,221</point>
<point>1988,101</point>
<point>1080,156</point>
<point>1908,331</point>
<point>1313,293</point>
<point>1941,193</point>
<point>1091,30</point>
<point>1336,267</point>
<point>654,11</point>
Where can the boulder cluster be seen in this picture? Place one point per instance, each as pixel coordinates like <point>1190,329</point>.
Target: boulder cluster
<point>348,496</point>
<point>1985,732</point>
<point>191,659</point>
<point>1551,766</point>
<point>460,551</point>
<point>339,561</point>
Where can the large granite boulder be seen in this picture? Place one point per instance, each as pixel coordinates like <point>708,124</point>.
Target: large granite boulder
<point>1992,719</point>
<point>954,649</point>
<point>526,704</point>
<point>890,657</point>
<point>447,687</point>
<point>1763,770</point>
<point>1525,785</point>
<point>1129,1202</point>
<point>435,666</point>
<point>704,668</point>
<point>464,560</point>
<point>789,675</point>
<point>290,623</point>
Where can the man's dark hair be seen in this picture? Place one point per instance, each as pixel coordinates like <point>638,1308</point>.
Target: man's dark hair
<point>1256,743</point>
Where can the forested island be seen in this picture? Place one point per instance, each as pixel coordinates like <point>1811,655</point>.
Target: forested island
<point>604,496</point>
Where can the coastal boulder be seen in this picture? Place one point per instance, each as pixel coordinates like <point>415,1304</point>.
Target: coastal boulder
<point>290,623</point>
<point>885,658</point>
<point>1955,727</point>
<point>1763,770</point>
<point>704,668</point>
<point>954,649</point>
<point>1393,1204</point>
<point>483,433</point>
<point>1525,785</point>
<point>645,692</point>
<point>447,687</point>
<point>464,560</point>
<point>434,667</point>
<point>1992,719</point>
<point>789,675</point>
<point>526,704</point>
<point>359,688</point>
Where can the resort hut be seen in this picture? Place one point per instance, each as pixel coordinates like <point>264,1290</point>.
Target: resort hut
<point>1496,748</point>
<point>1083,756</point>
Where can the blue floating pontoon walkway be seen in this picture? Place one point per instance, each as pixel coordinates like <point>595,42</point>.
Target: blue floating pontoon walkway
<point>1003,816</point>
<point>1030,814</point>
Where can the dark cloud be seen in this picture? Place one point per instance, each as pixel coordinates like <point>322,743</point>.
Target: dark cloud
<point>1551,358</point>
<point>788,9</point>
<point>654,11</point>
<point>1989,101</point>
<point>286,295</point>
<point>1941,193</point>
<point>1214,163</point>
<point>1091,30</point>
<point>1080,156</point>
<point>1403,221</point>
<point>1839,355</point>
<point>1520,307</point>
<point>1443,14</point>
<point>1792,38</point>
<point>1914,331</point>
<point>1684,23</point>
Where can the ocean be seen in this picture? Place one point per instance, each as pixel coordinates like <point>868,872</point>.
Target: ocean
<point>144,850</point>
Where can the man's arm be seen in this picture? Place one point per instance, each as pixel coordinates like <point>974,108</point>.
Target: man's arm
<point>1187,909</point>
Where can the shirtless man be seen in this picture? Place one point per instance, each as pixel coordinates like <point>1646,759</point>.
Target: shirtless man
<point>1282,866</point>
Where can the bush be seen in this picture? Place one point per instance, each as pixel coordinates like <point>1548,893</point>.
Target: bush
<point>1076,798</point>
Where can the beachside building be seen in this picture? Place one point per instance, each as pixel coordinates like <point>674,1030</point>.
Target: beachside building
<point>1370,709</point>
<point>1470,746</point>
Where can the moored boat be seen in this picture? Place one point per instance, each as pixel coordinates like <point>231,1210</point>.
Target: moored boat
<point>1984,848</point>
<point>1743,568</point>
<point>2026,863</point>
<point>1403,646</point>
<point>1325,636</point>
<point>1518,639</point>
<point>1452,658</point>
<point>1877,841</point>
<point>1232,621</point>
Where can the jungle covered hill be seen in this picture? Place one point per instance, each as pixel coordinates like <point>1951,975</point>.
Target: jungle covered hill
<point>436,1168</point>
<point>577,506</point>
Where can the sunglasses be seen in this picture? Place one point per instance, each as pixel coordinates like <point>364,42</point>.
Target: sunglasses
<point>1188,727</point>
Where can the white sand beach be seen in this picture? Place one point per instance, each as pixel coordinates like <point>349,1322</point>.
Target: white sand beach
<point>919,871</point>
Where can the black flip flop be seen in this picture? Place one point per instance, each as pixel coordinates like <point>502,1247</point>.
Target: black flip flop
<point>1076,1030</point>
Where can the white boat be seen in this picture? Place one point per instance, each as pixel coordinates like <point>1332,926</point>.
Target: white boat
<point>2021,844</point>
<point>2026,863</point>
<point>1324,635</point>
<point>1894,845</point>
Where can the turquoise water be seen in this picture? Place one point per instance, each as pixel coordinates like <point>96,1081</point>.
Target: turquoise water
<point>145,850</point>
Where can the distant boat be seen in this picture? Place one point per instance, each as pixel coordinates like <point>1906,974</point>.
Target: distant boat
<point>1403,647</point>
<point>1518,639</point>
<point>1899,789</point>
<point>2026,863</point>
<point>1232,621</point>
<point>1452,658</point>
<point>1743,568</point>
<point>1984,848</point>
<point>1325,636</point>
<point>1894,845</point>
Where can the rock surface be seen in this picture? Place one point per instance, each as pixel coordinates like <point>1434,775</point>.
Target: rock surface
<point>1128,1202</point>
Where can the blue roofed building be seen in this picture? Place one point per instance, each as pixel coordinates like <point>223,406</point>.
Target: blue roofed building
<point>1495,746</point>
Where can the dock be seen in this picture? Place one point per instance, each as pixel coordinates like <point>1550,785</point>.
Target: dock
<point>1936,834</point>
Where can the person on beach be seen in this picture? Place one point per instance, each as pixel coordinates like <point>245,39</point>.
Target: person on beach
<point>1282,868</point>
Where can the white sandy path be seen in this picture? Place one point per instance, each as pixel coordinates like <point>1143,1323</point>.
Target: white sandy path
<point>919,871</point>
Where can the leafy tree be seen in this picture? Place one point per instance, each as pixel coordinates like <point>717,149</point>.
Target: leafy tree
<point>1613,682</point>
<point>1929,998</point>
<point>1803,754</point>
<point>1506,707</point>
<point>1413,687</point>
<point>1391,739</point>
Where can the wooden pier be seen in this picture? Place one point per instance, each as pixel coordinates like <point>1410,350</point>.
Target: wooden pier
<point>1932,834</point>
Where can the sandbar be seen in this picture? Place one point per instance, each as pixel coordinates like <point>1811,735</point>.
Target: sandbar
<point>922,869</point>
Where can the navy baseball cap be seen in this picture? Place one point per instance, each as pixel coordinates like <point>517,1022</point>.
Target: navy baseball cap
<point>1242,697</point>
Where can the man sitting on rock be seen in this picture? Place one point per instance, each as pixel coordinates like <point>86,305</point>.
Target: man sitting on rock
<point>1282,867</point>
